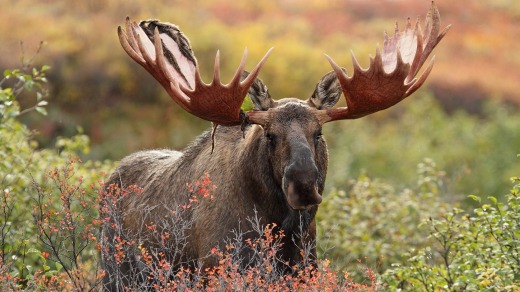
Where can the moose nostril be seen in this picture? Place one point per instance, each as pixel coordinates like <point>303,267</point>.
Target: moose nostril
<point>301,197</point>
<point>303,175</point>
<point>300,186</point>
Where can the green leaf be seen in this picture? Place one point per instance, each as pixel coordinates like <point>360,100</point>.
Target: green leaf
<point>33,250</point>
<point>29,85</point>
<point>247,105</point>
<point>50,273</point>
<point>475,198</point>
<point>493,199</point>
<point>59,267</point>
<point>41,110</point>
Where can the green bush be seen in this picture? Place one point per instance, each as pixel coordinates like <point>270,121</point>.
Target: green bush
<point>476,152</point>
<point>22,171</point>
<point>375,224</point>
<point>471,252</point>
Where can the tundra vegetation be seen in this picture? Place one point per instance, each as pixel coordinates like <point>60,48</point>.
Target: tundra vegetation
<point>372,235</point>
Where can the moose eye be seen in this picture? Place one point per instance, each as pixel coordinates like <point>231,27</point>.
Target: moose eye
<point>271,138</point>
<point>318,136</point>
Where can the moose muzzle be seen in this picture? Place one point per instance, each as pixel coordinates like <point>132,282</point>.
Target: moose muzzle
<point>300,180</point>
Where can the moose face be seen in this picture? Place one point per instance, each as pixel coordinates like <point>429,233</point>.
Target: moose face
<point>297,153</point>
<point>292,135</point>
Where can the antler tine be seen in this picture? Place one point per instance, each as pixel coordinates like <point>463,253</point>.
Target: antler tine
<point>418,82</point>
<point>128,43</point>
<point>130,33</point>
<point>164,51</point>
<point>416,62</point>
<point>236,78</point>
<point>149,60</point>
<point>391,75</point>
<point>161,60</point>
<point>355,63</point>
<point>248,81</point>
<point>216,68</point>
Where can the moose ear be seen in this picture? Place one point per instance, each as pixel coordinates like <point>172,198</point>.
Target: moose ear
<point>259,94</point>
<point>327,92</point>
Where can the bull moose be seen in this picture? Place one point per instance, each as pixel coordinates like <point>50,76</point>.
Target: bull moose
<point>269,162</point>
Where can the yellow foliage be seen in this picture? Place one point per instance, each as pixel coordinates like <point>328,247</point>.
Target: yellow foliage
<point>91,71</point>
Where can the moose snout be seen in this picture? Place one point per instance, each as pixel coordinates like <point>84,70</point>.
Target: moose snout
<point>300,186</point>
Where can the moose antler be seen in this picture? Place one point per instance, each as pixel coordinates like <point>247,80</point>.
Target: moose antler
<point>391,75</point>
<point>165,52</point>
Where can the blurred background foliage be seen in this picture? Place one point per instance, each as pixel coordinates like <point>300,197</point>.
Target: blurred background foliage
<point>477,152</point>
<point>94,84</point>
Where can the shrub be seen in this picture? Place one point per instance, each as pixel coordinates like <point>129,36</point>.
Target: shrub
<point>24,182</point>
<point>65,256</point>
<point>374,224</point>
<point>474,151</point>
<point>147,260</point>
<point>470,252</point>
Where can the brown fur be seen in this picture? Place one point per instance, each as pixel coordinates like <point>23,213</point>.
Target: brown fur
<point>251,174</point>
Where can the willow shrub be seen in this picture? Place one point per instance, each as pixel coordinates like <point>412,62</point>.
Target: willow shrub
<point>23,168</point>
<point>374,224</point>
<point>419,242</point>
<point>476,151</point>
<point>479,251</point>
